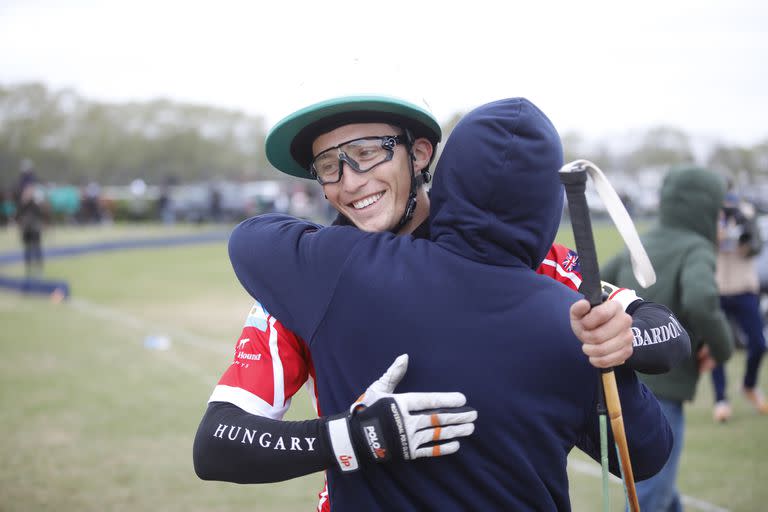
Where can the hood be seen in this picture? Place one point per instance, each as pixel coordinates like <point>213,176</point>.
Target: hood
<point>496,196</point>
<point>691,199</point>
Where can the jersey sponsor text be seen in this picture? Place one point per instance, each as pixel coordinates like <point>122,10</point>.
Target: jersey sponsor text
<point>248,355</point>
<point>654,335</point>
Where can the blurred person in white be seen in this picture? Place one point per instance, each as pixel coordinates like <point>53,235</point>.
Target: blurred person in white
<point>737,282</point>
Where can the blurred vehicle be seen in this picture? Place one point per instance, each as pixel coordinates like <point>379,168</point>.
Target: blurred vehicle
<point>132,203</point>
<point>222,201</point>
<point>190,202</point>
<point>263,197</point>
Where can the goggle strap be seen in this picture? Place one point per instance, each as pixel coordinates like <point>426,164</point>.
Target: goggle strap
<point>410,206</point>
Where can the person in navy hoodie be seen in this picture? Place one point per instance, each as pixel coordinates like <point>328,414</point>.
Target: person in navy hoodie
<point>468,308</point>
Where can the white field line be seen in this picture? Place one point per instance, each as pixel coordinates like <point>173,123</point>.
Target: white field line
<point>593,469</point>
<point>181,336</point>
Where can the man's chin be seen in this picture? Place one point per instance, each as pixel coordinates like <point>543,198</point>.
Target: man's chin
<point>367,229</point>
<point>370,225</point>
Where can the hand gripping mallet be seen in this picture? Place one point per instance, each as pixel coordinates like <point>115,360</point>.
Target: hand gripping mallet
<point>574,177</point>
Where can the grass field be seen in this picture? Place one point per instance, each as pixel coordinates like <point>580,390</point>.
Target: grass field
<point>93,421</point>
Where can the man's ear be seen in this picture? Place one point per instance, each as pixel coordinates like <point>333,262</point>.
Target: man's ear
<point>422,153</point>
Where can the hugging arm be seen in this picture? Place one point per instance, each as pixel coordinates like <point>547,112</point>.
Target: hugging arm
<point>232,445</point>
<point>290,265</point>
<point>235,446</point>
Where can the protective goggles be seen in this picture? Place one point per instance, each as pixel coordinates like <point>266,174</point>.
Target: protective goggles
<point>361,155</point>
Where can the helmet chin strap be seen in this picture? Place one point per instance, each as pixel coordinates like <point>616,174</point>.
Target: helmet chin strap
<point>416,182</point>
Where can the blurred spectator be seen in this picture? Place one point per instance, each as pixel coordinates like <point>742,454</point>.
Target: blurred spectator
<point>300,204</point>
<point>165,206</point>
<point>282,203</point>
<point>682,250</point>
<point>737,281</point>
<point>90,203</point>
<point>214,203</point>
<point>26,176</point>
<point>29,217</point>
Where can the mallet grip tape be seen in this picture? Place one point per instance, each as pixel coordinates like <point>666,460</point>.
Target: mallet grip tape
<point>575,186</point>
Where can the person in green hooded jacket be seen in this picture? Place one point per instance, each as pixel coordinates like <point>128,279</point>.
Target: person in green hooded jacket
<point>683,250</point>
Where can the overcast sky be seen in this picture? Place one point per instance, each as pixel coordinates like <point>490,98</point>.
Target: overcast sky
<point>600,68</point>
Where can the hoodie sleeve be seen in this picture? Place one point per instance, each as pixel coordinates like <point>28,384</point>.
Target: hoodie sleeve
<point>700,303</point>
<point>655,320</point>
<point>291,266</point>
<point>649,437</point>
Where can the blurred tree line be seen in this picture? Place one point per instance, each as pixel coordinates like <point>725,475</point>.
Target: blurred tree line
<point>661,147</point>
<point>73,140</point>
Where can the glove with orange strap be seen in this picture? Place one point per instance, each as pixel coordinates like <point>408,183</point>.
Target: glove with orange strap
<point>383,425</point>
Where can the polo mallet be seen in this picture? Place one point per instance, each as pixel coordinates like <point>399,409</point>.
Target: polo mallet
<point>574,177</point>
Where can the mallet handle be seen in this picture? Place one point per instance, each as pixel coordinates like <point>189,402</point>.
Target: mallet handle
<point>575,183</point>
<point>575,186</point>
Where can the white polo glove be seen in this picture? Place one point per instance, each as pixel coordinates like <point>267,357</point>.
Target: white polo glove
<point>383,425</point>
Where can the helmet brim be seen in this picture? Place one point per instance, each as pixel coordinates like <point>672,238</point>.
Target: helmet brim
<point>289,143</point>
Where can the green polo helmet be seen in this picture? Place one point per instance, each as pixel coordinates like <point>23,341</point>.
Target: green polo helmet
<point>289,143</point>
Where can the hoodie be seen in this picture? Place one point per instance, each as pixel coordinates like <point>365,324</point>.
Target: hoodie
<point>682,248</point>
<point>471,312</point>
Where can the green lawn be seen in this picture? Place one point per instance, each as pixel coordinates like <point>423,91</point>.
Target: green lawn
<point>92,421</point>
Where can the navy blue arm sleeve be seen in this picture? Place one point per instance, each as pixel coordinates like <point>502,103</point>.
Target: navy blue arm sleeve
<point>649,437</point>
<point>660,341</point>
<point>232,445</point>
<point>291,266</point>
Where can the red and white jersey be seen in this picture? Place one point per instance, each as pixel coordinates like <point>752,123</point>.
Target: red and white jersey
<point>270,365</point>
<point>562,265</point>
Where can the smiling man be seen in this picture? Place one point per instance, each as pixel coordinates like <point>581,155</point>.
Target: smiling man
<point>376,201</point>
<point>386,143</point>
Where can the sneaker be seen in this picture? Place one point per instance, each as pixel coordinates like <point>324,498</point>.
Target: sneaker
<point>722,411</point>
<point>756,398</point>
